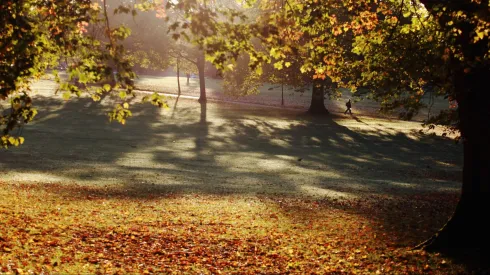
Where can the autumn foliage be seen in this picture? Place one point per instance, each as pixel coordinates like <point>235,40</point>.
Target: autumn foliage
<point>69,228</point>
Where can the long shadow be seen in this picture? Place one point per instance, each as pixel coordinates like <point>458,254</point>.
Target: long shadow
<point>75,135</point>
<point>359,120</point>
<point>230,149</point>
<point>174,109</point>
<point>261,146</point>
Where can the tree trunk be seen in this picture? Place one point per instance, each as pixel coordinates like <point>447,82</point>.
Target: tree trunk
<point>466,233</point>
<point>202,80</point>
<point>203,113</point>
<point>188,76</point>
<point>178,75</point>
<point>317,105</point>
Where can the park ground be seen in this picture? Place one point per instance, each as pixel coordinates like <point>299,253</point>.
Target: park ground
<point>223,188</point>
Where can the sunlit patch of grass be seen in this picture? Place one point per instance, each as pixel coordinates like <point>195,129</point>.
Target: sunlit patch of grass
<point>68,228</point>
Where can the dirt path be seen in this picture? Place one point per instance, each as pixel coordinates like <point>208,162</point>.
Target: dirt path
<point>229,149</point>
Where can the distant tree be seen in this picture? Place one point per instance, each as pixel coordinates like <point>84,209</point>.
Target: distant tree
<point>184,59</point>
<point>240,80</point>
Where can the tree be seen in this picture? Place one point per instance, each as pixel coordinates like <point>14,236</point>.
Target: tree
<point>36,35</point>
<point>291,76</point>
<point>185,60</point>
<point>469,68</point>
<point>394,50</point>
<point>193,21</point>
<point>445,45</point>
<point>31,41</point>
<point>282,53</point>
<point>397,50</point>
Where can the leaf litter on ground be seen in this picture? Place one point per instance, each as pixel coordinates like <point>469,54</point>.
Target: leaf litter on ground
<point>70,228</point>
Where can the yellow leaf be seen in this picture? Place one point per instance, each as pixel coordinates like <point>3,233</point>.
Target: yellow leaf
<point>278,65</point>
<point>122,94</point>
<point>95,98</point>
<point>480,34</point>
<point>66,95</point>
<point>125,105</point>
<point>12,140</point>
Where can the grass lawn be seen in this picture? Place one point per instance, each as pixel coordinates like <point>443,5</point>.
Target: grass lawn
<point>271,95</point>
<point>223,189</point>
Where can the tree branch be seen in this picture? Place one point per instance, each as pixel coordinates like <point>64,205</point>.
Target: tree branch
<point>397,22</point>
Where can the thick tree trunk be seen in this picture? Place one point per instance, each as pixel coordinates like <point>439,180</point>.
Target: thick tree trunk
<point>317,105</point>
<point>466,232</point>
<point>203,113</point>
<point>202,80</point>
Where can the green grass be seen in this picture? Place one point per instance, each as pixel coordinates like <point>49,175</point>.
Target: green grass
<point>270,94</point>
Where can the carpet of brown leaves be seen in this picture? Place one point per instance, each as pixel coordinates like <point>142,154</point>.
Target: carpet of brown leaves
<point>69,228</point>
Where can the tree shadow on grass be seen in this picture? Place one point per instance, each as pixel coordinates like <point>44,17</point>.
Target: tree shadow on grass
<point>232,149</point>
<point>229,149</point>
<point>75,133</point>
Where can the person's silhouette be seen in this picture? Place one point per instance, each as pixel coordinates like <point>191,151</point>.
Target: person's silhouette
<point>348,105</point>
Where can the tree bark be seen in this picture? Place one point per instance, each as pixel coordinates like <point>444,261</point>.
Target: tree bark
<point>202,80</point>
<point>466,232</point>
<point>317,106</point>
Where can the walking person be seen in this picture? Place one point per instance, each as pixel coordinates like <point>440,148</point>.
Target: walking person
<point>348,105</point>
